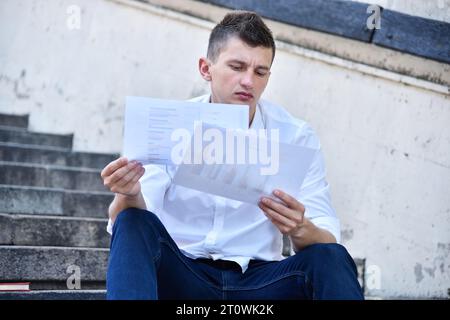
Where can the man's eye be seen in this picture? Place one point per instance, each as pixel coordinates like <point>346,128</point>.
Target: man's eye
<point>261,73</point>
<point>234,67</point>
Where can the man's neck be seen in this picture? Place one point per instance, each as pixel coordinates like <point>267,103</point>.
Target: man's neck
<point>252,116</point>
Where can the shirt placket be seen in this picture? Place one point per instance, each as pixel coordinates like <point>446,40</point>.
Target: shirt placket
<point>213,234</point>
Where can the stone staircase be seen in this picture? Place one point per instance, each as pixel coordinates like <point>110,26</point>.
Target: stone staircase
<point>53,209</point>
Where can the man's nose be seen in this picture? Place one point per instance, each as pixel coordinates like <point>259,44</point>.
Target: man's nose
<point>247,80</point>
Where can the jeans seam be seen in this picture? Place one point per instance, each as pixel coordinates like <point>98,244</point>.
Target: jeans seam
<point>224,294</point>
<point>287,275</point>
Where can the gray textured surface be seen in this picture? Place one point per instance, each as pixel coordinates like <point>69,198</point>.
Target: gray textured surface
<point>20,263</point>
<point>50,176</point>
<point>19,121</point>
<point>55,295</point>
<point>33,200</point>
<point>14,152</point>
<point>29,230</point>
<point>42,185</point>
<point>419,36</point>
<point>20,135</point>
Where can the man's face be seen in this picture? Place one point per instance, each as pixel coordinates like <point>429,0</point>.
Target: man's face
<point>239,75</point>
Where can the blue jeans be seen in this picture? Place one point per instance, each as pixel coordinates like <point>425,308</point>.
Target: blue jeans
<point>145,263</point>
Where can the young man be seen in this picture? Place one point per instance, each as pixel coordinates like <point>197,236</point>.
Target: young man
<point>171,242</point>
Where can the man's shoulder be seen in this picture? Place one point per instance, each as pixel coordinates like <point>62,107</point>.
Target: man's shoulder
<point>279,114</point>
<point>300,130</point>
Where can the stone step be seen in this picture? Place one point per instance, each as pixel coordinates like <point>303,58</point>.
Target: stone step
<point>26,230</point>
<point>51,176</point>
<point>55,295</point>
<point>31,263</point>
<point>62,285</point>
<point>10,120</point>
<point>52,201</point>
<point>20,135</point>
<point>14,152</point>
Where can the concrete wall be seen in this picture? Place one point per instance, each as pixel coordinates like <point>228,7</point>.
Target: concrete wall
<point>387,152</point>
<point>76,80</point>
<point>386,143</point>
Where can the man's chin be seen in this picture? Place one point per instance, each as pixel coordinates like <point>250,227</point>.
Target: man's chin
<point>239,101</point>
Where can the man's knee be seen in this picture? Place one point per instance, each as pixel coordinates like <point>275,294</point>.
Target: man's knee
<point>131,217</point>
<point>328,254</point>
<point>327,249</point>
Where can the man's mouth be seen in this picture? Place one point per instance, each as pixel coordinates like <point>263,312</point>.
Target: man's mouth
<point>244,96</point>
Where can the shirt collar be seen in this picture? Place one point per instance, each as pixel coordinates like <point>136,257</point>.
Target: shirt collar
<point>257,122</point>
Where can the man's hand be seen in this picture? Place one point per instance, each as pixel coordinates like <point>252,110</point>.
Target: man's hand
<point>289,218</point>
<point>122,176</point>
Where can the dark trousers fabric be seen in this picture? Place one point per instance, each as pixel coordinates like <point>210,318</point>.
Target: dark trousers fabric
<point>145,263</point>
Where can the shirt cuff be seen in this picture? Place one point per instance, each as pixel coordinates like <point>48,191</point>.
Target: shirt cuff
<point>109,227</point>
<point>331,224</point>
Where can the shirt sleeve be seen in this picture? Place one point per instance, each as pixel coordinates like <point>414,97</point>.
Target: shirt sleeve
<point>315,190</point>
<point>154,184</point>
<point>109,227</point>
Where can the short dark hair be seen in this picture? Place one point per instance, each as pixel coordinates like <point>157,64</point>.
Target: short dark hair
<point>246,25</point>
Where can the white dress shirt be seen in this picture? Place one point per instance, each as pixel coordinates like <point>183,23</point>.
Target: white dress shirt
<point>210,226</point>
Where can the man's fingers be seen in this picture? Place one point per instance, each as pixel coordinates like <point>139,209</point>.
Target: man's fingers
<point>289,200</point>
<point>278,207</point>
<point>282,222</point>
<point>293,215</point>
<point>120,173</point>
<point>134,179</point>
<point>113,166</point>
<point>128,177</point>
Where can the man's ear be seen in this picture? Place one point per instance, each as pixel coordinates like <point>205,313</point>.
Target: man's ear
<point>204,67</point>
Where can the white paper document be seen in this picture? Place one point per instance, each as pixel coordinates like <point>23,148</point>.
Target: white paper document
<point>150,125</point>
<point>265,165</point>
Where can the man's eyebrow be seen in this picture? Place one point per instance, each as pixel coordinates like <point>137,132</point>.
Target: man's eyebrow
<point>244,63</point>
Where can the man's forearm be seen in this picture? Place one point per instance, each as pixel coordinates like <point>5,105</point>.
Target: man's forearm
<point>122,202</point>
<point>311,234</point>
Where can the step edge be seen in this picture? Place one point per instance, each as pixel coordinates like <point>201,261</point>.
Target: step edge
<point>60,190</point>
<point>54,148</point>
<point>34,146</point>
<point>42,248</point>
<point>57,291</point>
<point>50,217</point>
<point>21,129</point>
<point>52,167</point>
